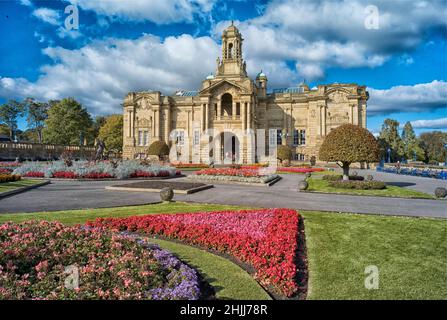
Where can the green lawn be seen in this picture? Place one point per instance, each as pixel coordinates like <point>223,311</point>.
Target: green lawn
<point>227,278</point>
<point>320,185</point>
<point>9,186</point>
<point>410,253</point>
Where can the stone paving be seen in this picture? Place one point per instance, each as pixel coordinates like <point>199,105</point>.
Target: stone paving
<point>65,195</point>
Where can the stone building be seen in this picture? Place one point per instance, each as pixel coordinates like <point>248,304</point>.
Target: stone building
<point>237,118</point>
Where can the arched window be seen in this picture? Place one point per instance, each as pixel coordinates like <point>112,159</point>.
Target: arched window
<point>227,104</point>
<point>230,51</point>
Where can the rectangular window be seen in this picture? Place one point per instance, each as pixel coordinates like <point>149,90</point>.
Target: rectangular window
<point>145,138</point>
<point>196,137</point>
<point>180,138</point>
<point>296,138</point>
<point>302,137</point>
<point>272,137</point>
<point>278,136</point>
<point>140,137</point>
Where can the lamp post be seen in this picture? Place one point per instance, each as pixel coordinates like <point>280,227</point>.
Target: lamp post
<point>389,154</point>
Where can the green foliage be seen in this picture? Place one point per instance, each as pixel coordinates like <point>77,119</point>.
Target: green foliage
<point>389,138</point>
<point>284,153</point>
<point>411,143</point>
<point>338,177</point>
<point>37,113</point>
<point>97,124</point>
<point>359,185</point>
<point>9,113</point>
<point>111,132</point>
<point>433,144</point>
<point>158,148</point>
<point>347,144</point>
<point>68,121</point>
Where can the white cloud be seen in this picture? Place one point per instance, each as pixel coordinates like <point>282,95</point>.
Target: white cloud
<point>47,15</point>
<point>159,12</point>
<point>317,35</point>
<point>421,97</point>
<point>440,123</point>
<point>102,73</point>
<point>26,3</point>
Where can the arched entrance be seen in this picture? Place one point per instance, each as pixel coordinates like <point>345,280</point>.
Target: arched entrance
<point>229,148</point>
<point>227,104</point>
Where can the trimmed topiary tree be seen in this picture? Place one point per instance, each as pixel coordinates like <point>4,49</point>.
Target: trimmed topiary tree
<point>283,153</point>
<point>348,144</point>
<point>158,148</point>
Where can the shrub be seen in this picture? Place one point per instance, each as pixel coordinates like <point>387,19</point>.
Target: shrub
<point>313,160</point>
<point>9,178</point>
<point>34,256</point>
<point>359,185</point>
<point>349,143</point>
<point>158,148</point>
<point>337,177</point>
<point>284,153</point>
<point>440,192</point>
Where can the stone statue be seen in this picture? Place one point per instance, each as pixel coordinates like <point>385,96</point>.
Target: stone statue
<point>100,150</point>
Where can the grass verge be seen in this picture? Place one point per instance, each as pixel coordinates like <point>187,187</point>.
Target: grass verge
<point>9,186</point>
<point>320,185</point>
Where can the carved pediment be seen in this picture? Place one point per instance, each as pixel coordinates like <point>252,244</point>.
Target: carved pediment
<point>224,85</point>
<point>338,96</point>
<point>143,123</point>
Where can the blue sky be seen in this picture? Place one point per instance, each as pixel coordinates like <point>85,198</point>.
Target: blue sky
<point>169,45</point>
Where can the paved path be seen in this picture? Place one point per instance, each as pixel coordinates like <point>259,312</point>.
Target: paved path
<point>64,195</point>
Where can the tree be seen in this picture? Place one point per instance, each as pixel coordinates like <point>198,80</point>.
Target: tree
<point>111,132</point>
<point>389,139</point>
<point>348,144</point>
<point>37,113</point>
<point>283,153</point>
<point>68,123</point>
<point>97,124</point>
<point>433,144</point>
<point>411,144</point>
<point>158,148</point>
<point>9,113</point>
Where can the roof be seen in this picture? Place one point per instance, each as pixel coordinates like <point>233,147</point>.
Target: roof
<point>187,93</point>
<point>289,90</point>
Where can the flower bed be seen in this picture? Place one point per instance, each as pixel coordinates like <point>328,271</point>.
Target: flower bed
<point>298,169</point>
<point>94,170</point>
<point>190,165</point>
<point>265,239</point>
<point>9,177</point>
<point>35,256</point>
<point>5,171</point>
<point>258,175</point>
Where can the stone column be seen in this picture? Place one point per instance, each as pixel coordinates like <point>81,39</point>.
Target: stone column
<point>207,112</point>
<point>129,132</point>
<point>157,124</point>
<point>243,107</point>
<point>202,117</point>
<point>233,112</point>
<point>324,120</point>
<point>219,110</point>
<point>248,115</point>
<point>167,124</point>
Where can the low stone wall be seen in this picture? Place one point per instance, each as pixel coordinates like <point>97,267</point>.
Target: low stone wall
<point>35,151</point>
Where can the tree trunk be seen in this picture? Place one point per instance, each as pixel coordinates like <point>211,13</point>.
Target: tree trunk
<point>345,171</point>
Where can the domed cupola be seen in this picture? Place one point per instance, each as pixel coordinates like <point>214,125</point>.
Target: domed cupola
<point>261,83</point>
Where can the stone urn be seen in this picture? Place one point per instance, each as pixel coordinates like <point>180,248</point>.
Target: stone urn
<point>440,192</point>
<point>303,185</point>
<point>308,175</point>
<point>166,194</point>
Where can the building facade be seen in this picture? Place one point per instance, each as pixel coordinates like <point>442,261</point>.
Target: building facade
<point>233,118</point>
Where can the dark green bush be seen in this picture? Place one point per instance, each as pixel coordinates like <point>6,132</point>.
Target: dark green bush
<point>358,185</point>
<point>158,148</point>
<point>284,153</point>
<point>338,177</point>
